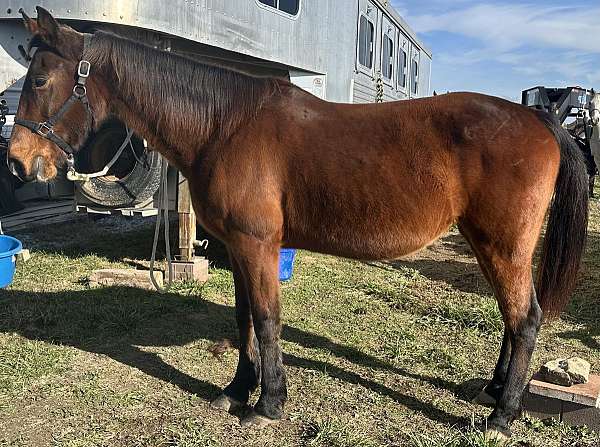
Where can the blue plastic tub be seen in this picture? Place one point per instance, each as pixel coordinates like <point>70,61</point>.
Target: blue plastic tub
<point>9,247</point>
<point>286,263</point>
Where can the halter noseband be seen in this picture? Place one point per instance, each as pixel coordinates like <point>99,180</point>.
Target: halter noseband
<point>45,129</point>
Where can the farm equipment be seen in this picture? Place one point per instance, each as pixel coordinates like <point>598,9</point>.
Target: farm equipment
<point>574,109</point>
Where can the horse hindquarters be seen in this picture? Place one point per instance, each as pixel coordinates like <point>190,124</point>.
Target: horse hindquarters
<point>503,232</point>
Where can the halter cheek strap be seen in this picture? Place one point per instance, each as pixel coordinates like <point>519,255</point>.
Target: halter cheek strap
<point>45,129</point>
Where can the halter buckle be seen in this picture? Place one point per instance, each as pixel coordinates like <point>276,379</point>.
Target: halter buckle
<point>44,129</point>
<point>79,90</point>
<point>83,70</point>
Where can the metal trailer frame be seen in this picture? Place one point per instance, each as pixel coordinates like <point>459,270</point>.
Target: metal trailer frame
<point>571,105</point>
<point>317,49</point>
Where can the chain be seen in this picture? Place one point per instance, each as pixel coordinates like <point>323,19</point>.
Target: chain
<point>379,88</point>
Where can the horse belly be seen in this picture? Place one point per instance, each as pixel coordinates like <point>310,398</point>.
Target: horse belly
<point>374,233</point>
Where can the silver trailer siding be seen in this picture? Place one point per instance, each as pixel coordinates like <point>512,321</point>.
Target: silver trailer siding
<point>321,39</point>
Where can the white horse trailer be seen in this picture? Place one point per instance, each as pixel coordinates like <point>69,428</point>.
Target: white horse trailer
<point>340,50</point>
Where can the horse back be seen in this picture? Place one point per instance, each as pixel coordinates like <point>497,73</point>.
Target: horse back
<point>375,181</point>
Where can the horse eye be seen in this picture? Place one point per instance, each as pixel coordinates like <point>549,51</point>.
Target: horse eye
<point>40,82</point>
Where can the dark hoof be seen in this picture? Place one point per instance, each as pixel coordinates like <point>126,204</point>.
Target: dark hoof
<point>226,403</point>
<point>255,420</point>
<point>494,391</point>
<point>485,399</point>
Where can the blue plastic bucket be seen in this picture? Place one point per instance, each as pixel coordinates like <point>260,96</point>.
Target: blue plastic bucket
<point>286,263</point>
<point>9,247</point>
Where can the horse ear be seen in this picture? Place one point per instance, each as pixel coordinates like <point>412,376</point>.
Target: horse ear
<point>31,25</point>
<point>47,26</point>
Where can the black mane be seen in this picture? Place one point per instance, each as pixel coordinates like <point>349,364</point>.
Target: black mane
<point>175,92</point>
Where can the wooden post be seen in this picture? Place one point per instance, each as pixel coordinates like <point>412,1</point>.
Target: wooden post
<point>187,221</point>
<point>187,266</point>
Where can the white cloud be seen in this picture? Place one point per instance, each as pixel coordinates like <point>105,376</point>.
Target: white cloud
<point>509,26</point>
<point>500,48</point>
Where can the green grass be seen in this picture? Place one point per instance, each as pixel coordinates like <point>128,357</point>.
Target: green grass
<point>377,354</point>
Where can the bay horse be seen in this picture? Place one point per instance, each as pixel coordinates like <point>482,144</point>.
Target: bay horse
<point>270,165</point>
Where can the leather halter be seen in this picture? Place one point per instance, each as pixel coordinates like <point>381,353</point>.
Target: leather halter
<point>45,129</point>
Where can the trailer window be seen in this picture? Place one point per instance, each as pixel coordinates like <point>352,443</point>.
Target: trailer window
<point>415,77</point>
<point>291,7</point>
<point>387,60</point>
<point>402,68</point>
<point>365,42</point>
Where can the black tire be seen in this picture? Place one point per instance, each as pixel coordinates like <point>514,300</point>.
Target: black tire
<point>133,179</point>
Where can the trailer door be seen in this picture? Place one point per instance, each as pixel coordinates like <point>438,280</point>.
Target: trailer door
<point>415,67</point>
<point>402,71</point>
<point>389,33</point>
<point>367,27</point>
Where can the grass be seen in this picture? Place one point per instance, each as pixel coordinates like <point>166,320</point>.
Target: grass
<point>377,354</point>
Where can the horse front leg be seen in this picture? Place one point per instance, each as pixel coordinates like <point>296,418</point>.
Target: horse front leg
<point>247,375</point>
<point>259,264</point>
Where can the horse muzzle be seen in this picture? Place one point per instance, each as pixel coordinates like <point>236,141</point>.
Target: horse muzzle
<point>17,168</point>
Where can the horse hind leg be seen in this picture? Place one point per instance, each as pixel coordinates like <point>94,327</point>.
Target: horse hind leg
<point>522,325</point>
<point>511,279</point>
<point>493,390</point>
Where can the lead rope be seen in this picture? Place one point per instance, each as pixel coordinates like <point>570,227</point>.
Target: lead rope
<point>75,176</point>
<point>163,211</point>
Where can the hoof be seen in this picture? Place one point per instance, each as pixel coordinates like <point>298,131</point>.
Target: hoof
<point>484,399</point>
<point>496,436</point>
<point>225,403</point>
<point>255,420</point>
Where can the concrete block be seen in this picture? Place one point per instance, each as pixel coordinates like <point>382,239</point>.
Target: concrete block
<point>195,270</point>
<point>125,278</point>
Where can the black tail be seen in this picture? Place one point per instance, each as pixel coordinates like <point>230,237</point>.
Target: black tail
<point>566,233</point>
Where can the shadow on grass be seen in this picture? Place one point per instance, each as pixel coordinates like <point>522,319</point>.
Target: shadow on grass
<point>115,238</point>
<point>462,276</point>
<point>116,321</point>
<point>584,308</point>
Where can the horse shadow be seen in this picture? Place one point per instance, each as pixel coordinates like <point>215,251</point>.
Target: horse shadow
<point>117,239</point>
<point>449,266</point>
<point>118,322</point>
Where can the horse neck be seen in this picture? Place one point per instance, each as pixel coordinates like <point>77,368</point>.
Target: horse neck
<point>177,104</point>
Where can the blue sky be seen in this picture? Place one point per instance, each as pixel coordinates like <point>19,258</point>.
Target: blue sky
<point>501,48</point>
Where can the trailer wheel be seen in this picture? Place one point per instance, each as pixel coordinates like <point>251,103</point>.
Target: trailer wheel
<point>134,179</point>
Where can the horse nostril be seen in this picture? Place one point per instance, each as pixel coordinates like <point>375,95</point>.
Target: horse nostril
<point>17,169</point>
